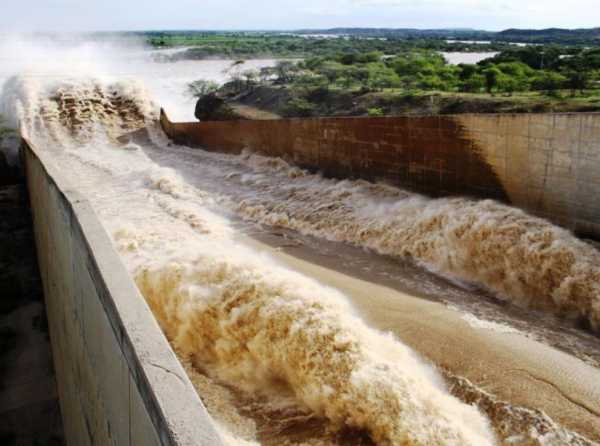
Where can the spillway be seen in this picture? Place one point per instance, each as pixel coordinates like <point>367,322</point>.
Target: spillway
<point>314,310</point>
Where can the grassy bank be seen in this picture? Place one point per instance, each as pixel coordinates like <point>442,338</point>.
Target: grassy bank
<point>380,76</point>
<point>199,46</point>
<point>289,102</point>
<point>416,82</point>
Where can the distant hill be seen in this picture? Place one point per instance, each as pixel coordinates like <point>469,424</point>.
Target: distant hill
<point>551,35</point>
<point>449,33</point>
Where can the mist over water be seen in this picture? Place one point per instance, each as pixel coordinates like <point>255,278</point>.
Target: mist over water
<point>247,328</point>
<point>63,57</point>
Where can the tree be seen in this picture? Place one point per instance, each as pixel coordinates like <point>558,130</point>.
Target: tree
<point>375,112</point>
<point>266,73</point>
<point>383,78</point>
<point>509,85</point>
<point>466,71</point>
<point>286,71</point>
<point>308,80</point>
<point>491,79</point>
<point>202,87</point>
<point>299,107</point>
<point>474,84</point>
<point>235,73</point>
<point>348,59</point>
<point>370,57</point>
<point>515,69</point>
<point>361,74</point>
<point>250,76</point>
<point>537,57</point>
<point>577,80</point>
<point>550,82</point>
<point>313,63</point>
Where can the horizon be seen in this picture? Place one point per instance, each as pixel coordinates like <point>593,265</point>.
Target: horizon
<point>288,30</point>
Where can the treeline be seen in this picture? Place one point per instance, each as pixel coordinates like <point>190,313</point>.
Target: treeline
<point>560,36</point>
<point>543,68</point>
<point>519,69</point>
<point>246,46</point>
<point>589,36</point>
<point>404,33</point>
<point>585,36</point>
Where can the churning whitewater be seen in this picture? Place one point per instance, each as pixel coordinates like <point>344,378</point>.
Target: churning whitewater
<point>523,259</point>
<point>251,327</point>
<point>237,316</point>
<point>520,258</point>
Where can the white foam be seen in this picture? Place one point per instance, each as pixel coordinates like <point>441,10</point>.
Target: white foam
<point>265,330</point>
<point>229,310</point>
<point>521,258</point>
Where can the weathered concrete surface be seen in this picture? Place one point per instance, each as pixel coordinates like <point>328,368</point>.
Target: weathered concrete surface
<point>29,409</point>
<point>119,382</point>
<point>547,164</point>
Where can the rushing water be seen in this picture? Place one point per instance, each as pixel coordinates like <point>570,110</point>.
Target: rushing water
<point>278,357</point>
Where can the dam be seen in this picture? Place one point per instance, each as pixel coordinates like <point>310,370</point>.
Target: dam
<point>543,163</point>
<point>429,280</point>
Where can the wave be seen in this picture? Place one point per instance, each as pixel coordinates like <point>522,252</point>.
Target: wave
<point>260,328</point>
<point>76,111</point>
<point>248,322</point>
<point>522,259</point>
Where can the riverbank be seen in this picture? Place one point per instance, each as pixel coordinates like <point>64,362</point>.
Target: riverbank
<point>269,101</point>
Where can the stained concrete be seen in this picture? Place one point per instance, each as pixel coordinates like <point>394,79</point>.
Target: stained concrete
<point>29,409</point>
<point>548,164</point>
<point>118,380</point>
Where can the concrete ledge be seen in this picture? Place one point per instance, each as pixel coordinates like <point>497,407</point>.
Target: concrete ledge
<point>548,164</point>
<point>119,382</point>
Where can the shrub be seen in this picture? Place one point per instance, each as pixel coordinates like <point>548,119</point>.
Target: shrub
<point>300,107</point>
<point>375,111</point>
<point>474,84</point>
<point>550,82</point>
<point>202,87</point>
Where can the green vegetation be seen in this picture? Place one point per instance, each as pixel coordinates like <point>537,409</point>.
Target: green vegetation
<point>544,36</point>
<point>266,45</point>
<point>202,87</point>
<point>375,111</point>
<point>552,35</point>
<point>373,75</point>
<point>512,71</point>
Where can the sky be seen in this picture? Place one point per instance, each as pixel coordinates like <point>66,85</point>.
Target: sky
<point>82,15</point>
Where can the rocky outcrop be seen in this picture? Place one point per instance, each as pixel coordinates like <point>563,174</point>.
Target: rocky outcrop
<point>211,107</point>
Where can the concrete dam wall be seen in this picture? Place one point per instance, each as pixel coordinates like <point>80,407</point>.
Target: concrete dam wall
<point>118,380</point>
<point>547,164</point>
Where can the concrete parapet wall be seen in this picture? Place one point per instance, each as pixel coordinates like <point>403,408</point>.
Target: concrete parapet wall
<point>119,382</point>
<point>548,164</point>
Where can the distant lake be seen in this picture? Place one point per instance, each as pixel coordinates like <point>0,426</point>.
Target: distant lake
<point>471,58</point>
<point>478,42</point>
<point>489,42</point>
